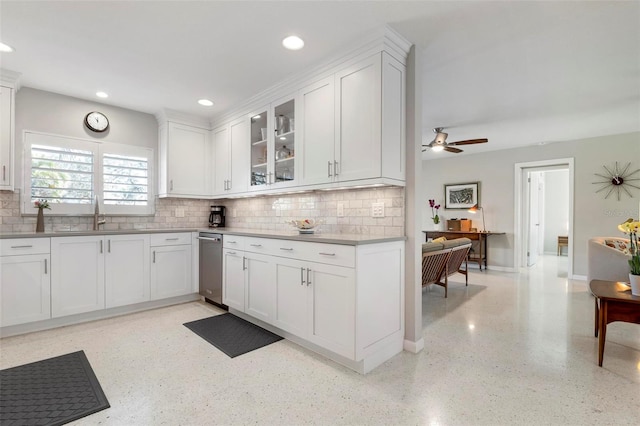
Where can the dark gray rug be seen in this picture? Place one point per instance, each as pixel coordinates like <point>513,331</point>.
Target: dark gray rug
<point>232,335</point>
<point>50,392</point>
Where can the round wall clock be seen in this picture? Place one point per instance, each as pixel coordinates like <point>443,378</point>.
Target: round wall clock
<point>618,180</point>
<point>96,121</point>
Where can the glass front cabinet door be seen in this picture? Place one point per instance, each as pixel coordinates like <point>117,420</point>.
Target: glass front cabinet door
<point>273,145</point>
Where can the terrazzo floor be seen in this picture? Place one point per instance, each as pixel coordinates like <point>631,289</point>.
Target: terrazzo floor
<point>509,349</point>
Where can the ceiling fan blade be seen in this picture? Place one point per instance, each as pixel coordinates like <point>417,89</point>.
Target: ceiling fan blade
<point>450,149</point>
<point>469,142</point>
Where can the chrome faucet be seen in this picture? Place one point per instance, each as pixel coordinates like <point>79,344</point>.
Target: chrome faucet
<point>96,216</point>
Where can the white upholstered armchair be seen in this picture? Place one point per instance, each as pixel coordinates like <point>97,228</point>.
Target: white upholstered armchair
<point>606,260</point>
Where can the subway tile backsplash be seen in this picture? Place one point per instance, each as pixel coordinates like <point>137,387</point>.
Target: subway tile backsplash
<point>274,212</point>
<point>259,213</point>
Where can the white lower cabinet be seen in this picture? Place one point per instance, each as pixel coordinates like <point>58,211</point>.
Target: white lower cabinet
<point>77,275</point>
<point>25,289</point>
<point>315,301</point>
<point>233,279</point>
<point>260,286</point>
<point>347,300</point>
<point>126,270</point>
<point>170,271</point>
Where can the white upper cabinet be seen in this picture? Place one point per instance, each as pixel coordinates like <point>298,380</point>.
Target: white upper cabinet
<point>358,121</point>
<point>222,153</point>
<point>273,145</point>
<point>352,124</point>
<point>231,158</point>
<point>184,155</point>
<point>317,132</point>
<point>6,138</point>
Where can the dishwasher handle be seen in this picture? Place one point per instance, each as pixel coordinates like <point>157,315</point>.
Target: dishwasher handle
<point>217,240</point>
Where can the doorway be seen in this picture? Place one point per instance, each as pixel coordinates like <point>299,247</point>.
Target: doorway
<point>544,211</point>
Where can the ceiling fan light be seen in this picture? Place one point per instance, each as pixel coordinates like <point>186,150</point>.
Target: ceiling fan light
<point>437,148</point>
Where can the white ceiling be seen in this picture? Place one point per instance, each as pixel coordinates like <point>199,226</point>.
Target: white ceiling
<point>518,73</point>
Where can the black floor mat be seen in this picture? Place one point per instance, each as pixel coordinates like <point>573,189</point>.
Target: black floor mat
<point>232,335</point>
<point>54,391</point>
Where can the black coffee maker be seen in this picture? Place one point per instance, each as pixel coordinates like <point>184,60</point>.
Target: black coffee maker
<point>216,217</point>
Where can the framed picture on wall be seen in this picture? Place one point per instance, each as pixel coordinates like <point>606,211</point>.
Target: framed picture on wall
<point>461,195</point>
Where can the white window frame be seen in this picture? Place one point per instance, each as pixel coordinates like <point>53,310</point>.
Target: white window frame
<point>98,148</point>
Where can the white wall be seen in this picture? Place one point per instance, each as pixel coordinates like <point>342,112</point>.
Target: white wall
<point>593,215</point>
<point>48,112</point>
<point>556,208</point>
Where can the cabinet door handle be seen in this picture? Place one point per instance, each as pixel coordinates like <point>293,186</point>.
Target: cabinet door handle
<point>101,246</point>
<point>154,256</point>
<point>27,246</point>
<point>308,277</point>
<point>301,276</point>
<point>335,167</point>
<point>4,172</point>
<point>171,185</point>
<point>231,242</point>
<point>231,252</point>
<point>109,246</point>
<point>286,248</point>
<point>244,267</point>
<point>229,184</point>
<point>327,254</point>
<point>225,185</point>
<point>255,245</point>
<point>45,266</point>
<point>171,239</point>
<point>328,168</point>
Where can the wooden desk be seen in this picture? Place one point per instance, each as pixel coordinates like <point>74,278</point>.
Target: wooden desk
<point>481,237</point>
<point>614,302</point>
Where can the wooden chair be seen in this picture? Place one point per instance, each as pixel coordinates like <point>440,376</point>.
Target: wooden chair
<point>441,260</point>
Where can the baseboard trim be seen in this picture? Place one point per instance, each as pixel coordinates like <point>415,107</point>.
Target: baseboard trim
<point>14,330</point>
<point>501,268</point>
<point>413,347</point>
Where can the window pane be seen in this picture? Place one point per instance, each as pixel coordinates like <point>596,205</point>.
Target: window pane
<point>125,180</point>
<point>61,175</point>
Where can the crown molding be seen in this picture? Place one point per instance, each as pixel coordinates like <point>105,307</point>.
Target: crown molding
<point>174,116</point>
<point>10,78</point>
<point>382,39</point>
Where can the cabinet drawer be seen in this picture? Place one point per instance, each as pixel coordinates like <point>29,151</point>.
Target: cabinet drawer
<point>20,246</point>
<point>332,254</point>
<point>261,245</point>
<point>170,239</point>
<point>233,242</point>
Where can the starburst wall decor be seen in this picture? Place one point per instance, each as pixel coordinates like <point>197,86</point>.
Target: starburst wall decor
<point>618,181</point>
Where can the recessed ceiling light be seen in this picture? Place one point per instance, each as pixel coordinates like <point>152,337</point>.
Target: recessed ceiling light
<point>102,95</point>
<point>283,138</point>
<point>5,48</point>
<point>205,102</point>
<point>293,43</point>
<point>256,116</point>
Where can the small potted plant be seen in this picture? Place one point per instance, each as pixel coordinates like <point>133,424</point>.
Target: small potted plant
<point>434,211</point>
<point>631,228</point>
<point>41,205</point>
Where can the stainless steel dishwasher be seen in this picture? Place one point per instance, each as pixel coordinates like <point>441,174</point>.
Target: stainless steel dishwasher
<point>211,268</point>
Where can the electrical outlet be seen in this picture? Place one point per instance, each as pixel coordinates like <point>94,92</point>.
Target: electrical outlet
<point>340,210</point>
<point>278,212</point>
<point>377,209</point>
<point>233,212</point>
<point>179,211</point>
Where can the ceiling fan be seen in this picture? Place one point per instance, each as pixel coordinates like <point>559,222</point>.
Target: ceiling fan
<point>439,142</point>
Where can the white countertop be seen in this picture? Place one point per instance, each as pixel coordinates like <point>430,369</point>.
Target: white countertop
<point>346,239</point>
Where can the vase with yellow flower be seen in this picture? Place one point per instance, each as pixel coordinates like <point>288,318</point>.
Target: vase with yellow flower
<point>631,228</point>
<point>41,205</point>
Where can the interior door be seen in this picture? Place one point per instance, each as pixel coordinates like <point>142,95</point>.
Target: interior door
<point>534,217</point>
